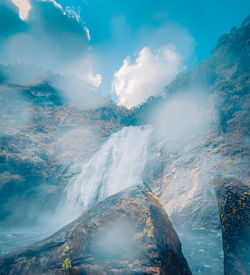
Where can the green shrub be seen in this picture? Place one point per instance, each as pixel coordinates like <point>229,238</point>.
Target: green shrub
<point>65,250</point>
<point>67,265</point>
<point>229,161</point>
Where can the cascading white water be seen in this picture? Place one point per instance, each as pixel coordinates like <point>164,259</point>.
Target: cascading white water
<point>119,164</point>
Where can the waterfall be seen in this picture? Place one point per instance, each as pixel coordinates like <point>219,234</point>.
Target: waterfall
<point>118,164</point>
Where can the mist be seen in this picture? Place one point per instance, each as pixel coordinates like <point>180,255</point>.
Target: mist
<point>114,241</point>
<point>78,92</point>
<point>184,117</point>
<point>15,111</point>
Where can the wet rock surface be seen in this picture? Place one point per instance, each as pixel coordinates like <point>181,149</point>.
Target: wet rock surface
<point>233,199</point>
<point>127,233</point>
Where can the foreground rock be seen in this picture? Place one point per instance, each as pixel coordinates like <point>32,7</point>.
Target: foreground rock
<point>128,233</point>
<point>234,205</point>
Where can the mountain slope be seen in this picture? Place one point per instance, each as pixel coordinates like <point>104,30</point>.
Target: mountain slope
<point>199,169</point>
<point>41,136</point>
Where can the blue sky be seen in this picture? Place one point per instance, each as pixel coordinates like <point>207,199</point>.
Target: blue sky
<point>121,28</point>
<point>129,50</point>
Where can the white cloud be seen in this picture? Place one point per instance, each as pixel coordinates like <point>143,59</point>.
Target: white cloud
<point>95,80</point>
<point>48,38</point>
<point>54,2</point>
<point>53,40</point>
<point>87,32</point>
<point>72,13</point>
<point>24,8</point>
<point>135,82</point>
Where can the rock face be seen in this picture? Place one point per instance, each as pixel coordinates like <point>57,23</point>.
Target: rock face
<point>234,205</point>
<point>187,174</point>
<point>224,147</point>
<point>40,134</point>
<point>128,233</point>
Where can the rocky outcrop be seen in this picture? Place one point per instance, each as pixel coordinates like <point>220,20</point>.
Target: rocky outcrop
<point>222,149</point>
<point>127,233</point>
<point>233,199</point>
<point>222,152</point>
<point>41,135</point>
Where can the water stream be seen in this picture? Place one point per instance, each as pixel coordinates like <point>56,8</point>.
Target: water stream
<point>120,164</point>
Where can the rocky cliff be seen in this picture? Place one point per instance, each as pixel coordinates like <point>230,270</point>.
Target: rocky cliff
<point>41,134</point>
<point>212,166</point>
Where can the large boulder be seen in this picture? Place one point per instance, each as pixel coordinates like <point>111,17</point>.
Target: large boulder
<point>233,199</point>
<point>127,233</point>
